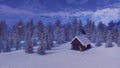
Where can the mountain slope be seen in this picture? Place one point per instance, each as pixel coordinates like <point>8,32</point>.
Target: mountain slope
<point>15,10</point>
<point>63,57</point>
<point>12,15</point>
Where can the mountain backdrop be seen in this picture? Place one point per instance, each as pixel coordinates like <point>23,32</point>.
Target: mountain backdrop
<point>66,10</point>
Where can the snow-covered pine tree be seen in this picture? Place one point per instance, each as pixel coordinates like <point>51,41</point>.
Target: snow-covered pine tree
<point>100,30</point>
<point>58,32</point>
<point>93,32</point>
<point>93,37</point>
<point>8,46</point>
<point>35,37</point>
<point>111,25</point>
<point>29,46</point>
<point>118,38</point>
<point>4,30</point>
<point>17,34</point>
<point>79,27</point>
<point>21,30</point>
<point>42,45</point>
<point>1,41</point>
<point>104,35</point>
<point>15,37</point>
<point>42,38</point>
<point>74,28</point>
<point>28,42</point>
<point>118,41</point>
<point>1,45</point>
<point>49,36</point>
<point>62,37</point>
<point>109,42</point>
<point>114,31</point>
<point>90,29</point>
<point>29,37</point>
<point>3,35</point>
<point>40,29</point>
<point>67,32</point>
<point>98,40</point>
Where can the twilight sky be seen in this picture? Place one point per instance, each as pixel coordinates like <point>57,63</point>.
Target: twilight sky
<point>60,5</point>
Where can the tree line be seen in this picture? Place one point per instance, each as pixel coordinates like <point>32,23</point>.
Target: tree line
<point>26,36</point>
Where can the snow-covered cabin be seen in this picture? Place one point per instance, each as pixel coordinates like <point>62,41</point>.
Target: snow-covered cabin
<point>81,43</point>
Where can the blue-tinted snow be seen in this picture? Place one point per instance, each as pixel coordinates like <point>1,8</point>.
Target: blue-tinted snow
<point>63,57</point>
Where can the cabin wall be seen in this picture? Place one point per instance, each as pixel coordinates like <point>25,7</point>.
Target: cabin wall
<point>83,48</point>
<point>76,45</point>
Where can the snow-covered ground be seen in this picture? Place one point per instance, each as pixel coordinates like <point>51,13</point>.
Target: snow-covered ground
<point>63,57</point>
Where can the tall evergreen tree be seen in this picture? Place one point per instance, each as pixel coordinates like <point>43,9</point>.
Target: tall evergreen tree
<point>101,31</point>
<point>21,30</point>
<point>79,27</point>
<point>90,29</point>
<point>40,29</point>
<point>98,39</point>
<point>42,38</point>
<point>114,31</point>
<point>8,46</point>
<point>29,37</point>
<point>58,33</point>
<point>68,32</point>
<point>109,42</point>
<point>15,37</point>
<point>49,36</point>
<point>42,45</point>
<point>74,28</point>
<point>118,38</point>
<point>3,35</point>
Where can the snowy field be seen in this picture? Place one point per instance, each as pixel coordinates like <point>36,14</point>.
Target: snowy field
<point>63,57</point>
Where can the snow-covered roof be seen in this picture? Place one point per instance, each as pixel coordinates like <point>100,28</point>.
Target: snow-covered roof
<point>83,39</point>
